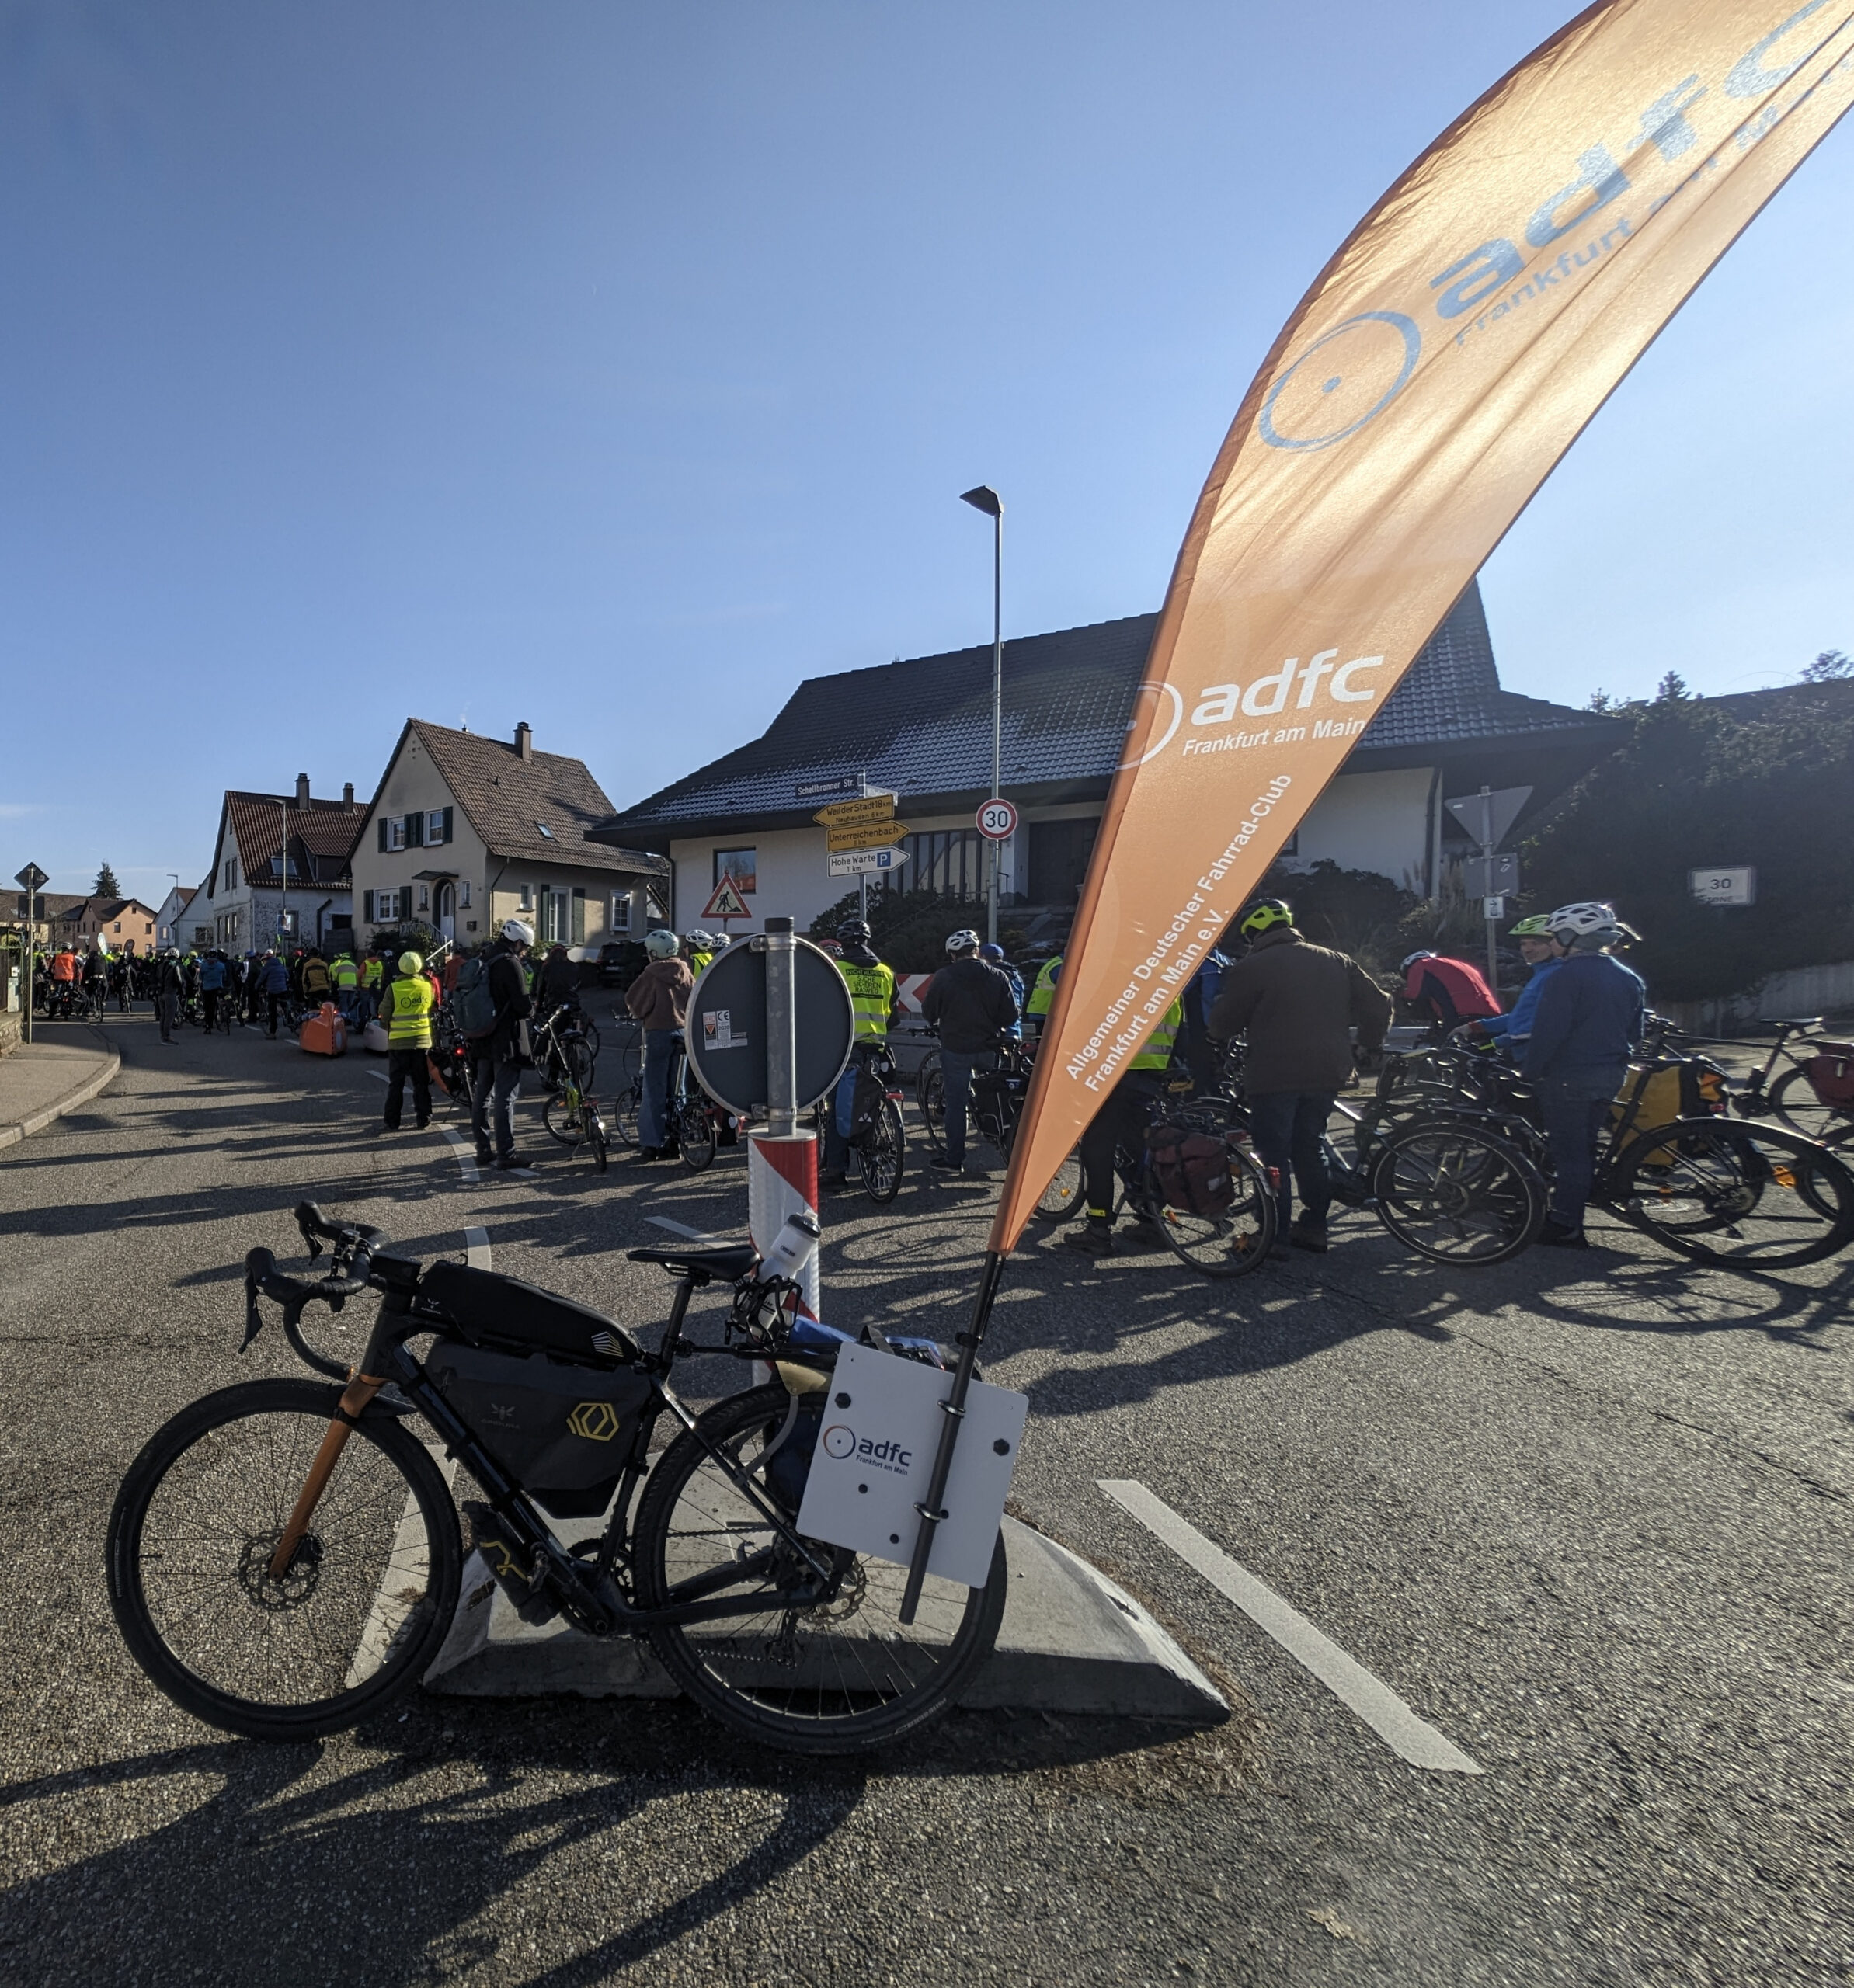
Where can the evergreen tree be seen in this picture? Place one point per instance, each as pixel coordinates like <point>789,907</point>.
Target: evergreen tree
<point>106,885</point>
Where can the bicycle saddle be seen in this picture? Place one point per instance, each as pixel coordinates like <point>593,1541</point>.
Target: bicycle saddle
<point>484,1305</point>
<point>702,1262</point>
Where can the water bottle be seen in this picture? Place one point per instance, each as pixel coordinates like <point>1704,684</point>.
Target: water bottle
<point>791,1247</point>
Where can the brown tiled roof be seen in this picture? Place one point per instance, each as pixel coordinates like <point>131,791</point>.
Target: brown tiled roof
<point>103,908</point>
<point>508,800</point>
<point>321,836</point>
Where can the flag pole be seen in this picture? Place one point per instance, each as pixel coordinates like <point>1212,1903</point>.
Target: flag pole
<point>953,1409</point>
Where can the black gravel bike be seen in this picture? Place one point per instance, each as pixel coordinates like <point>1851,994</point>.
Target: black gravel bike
<point>284,1557</point>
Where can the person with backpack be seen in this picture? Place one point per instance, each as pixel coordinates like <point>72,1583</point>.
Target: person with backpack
<point>992,954</point>
<point>212,989</point>
<point>1296,1004</point>
<point>1445,992</point>
<point>657,1001</point>
<point>1586,1027</point>
<point>273,984</point>
<point>493,1002</point>
<point>409,1002</point>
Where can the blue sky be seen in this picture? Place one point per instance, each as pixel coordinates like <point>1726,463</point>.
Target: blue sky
<point>613,367</point>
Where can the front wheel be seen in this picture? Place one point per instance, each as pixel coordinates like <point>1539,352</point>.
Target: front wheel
<point>355,1619</point>
<point>882,1154</point>
<point>1457,1194</point>
<point>835,1677</point>
<point>695,1135</point>
<point>624,1115</point>
<point>930,1096</point>
<point>564,1115</point>
<point>595,1132</point>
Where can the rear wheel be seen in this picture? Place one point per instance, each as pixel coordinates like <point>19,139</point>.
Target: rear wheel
<point>882,1154</point>
<point>1794,1100</point>
<point>695,1134</point>
<point>1752,1196</point>
<point>1229,1241</point>
<point>356,1619</point>
<point>835,1677</point>
<point>1457,1194</point>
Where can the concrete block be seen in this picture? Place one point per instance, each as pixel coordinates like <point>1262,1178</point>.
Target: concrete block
<point>1071,1641</point>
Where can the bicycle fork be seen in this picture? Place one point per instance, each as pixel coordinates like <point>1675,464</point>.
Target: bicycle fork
<point>355,1397</point>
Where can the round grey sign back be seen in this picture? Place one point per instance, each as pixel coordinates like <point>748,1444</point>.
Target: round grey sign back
<point>726,1033</point>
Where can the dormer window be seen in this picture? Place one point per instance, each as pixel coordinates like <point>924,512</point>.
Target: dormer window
<point>545,830</point>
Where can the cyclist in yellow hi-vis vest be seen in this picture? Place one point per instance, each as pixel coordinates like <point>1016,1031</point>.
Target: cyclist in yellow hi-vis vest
<point>347,977</point>
<point>871,987</point>
<point>366,1001</point>
<point>1042,994</point>
<point>407,1013</point>
<point>1121,1121</point>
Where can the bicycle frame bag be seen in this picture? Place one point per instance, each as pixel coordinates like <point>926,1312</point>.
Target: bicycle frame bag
<point>1192,1169</point>
<point>1831,1075</point>
<point>562,1430</point>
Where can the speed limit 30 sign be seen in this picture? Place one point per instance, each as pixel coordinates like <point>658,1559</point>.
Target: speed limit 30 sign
<point>997,819</point>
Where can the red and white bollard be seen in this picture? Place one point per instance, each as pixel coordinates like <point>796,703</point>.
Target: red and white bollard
<point>782,1180</point>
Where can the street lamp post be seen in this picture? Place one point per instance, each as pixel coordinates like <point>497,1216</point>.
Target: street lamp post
<point>986,499</point>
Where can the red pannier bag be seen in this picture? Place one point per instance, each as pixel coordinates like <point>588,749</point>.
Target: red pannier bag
<point>1192,1169</point>
<point>1831,1072</point>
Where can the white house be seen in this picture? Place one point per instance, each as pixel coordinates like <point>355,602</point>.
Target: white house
<point>280,874</point>
<point>923,729</point>
<point>467,831</point>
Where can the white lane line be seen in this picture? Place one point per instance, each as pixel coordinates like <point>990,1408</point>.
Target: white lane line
<point>1374,1701</point>
<point>476,1249</point>
<point>466,1157</point>
<point>688,1235</point>
<point>381,1075</point>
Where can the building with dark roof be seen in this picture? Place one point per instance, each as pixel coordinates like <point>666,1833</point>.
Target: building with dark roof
<point>922,729</point>
<point>467,831</point>
<point>281,873</point>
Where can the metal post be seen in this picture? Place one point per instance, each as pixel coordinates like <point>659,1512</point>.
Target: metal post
<point>862,875</point>
<point>781,1037</point>
<point>1486,879</point>
<point>997,703</point>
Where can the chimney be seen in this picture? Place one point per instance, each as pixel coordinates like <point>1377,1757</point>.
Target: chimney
<point>302,790</point>
<point>347,796</point>
<point>524,742</point>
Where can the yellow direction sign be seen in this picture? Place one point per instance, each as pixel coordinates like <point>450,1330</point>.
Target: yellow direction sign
<point>868,807</point>
<point>864,835</point>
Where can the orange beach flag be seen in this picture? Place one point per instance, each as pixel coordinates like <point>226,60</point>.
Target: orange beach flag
<point>1445,359</point>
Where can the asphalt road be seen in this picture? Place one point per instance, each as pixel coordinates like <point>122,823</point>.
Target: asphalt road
<point>1589,1516</point>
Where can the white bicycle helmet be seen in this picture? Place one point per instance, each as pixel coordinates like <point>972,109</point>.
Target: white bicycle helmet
<point>1403,966</point>
<point>516,932</point>
<point>964,941</point>
<point>1587,925</point>
<point>661,944</point>
<point>703,942</point>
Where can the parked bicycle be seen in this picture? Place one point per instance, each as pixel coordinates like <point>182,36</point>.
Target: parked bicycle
<point>876,1139</point>
<point>1814,1095</point>
<point>284,1557</point>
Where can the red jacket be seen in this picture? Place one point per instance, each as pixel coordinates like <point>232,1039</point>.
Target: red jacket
<point>1449,992</point>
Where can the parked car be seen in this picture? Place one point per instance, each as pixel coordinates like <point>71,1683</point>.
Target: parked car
<point>620,960</point>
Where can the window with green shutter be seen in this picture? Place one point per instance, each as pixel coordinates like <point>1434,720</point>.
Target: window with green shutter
<point>579,938</point>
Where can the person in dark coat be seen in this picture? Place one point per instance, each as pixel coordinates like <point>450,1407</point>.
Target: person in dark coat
<point>1297,1003</point>
<point>973,1006</point>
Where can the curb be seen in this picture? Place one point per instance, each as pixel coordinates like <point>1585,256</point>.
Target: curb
<point>23,1128</point>
<point>1071,1641</point>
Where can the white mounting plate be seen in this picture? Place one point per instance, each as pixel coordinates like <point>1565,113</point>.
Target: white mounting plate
<point>875,1453</point>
